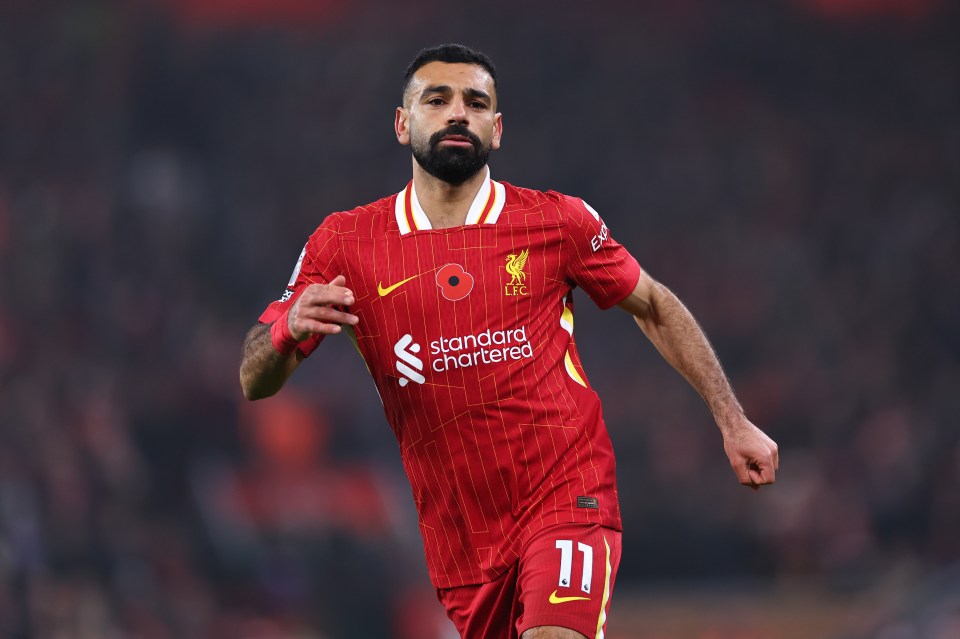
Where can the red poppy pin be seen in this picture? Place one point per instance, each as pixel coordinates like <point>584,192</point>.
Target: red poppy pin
<point>454,282</point>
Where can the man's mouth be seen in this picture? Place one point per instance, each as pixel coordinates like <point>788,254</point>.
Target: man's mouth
<point>456,140</point>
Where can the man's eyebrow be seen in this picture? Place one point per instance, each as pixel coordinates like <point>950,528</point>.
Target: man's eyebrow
<point>445,89</point>
<point>436,88</point>
<point>477,93</point>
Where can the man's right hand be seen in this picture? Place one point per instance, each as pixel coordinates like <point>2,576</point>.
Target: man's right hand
<point>314,311</point>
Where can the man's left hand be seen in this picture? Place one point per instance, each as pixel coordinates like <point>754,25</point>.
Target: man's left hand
<point>753,456</point>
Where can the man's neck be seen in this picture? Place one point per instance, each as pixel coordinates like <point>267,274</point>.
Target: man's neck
<point>446,205</point>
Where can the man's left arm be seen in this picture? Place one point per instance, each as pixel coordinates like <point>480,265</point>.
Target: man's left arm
<point>675,333</point>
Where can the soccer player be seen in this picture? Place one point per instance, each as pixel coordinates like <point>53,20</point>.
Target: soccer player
<point>457,292</point>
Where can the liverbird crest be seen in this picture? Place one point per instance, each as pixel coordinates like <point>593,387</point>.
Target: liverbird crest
<point>515,266</point>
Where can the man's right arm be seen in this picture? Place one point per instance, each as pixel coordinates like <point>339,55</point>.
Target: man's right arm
<point>264,369</point>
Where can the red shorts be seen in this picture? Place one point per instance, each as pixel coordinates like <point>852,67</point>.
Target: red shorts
<point>564,578</point>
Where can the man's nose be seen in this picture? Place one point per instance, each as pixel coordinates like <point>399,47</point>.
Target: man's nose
<point>457,113</point>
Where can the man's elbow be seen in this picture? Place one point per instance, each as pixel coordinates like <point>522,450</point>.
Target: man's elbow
<point>253,391</point>
<point>251,394</point>
<point>647,324</point>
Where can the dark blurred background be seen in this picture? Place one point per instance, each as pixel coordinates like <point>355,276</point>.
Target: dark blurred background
<point>790,168</point>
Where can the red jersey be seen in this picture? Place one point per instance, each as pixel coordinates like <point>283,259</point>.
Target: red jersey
<point>468,334</point>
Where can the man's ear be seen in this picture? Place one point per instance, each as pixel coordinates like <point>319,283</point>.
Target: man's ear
<point>497,132</point>
<point>401,126</point>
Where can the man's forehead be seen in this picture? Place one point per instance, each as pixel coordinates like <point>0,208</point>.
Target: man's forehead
<point>456,75</point>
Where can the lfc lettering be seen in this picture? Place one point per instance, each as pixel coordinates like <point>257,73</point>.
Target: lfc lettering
<point>512,290</point>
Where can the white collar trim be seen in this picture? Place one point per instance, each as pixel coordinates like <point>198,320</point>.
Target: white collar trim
<point>485,209</point>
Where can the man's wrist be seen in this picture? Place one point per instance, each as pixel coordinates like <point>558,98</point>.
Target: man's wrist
<point>280,336</point>
<point>729,418</point>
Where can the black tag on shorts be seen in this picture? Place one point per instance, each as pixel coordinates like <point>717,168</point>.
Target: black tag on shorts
<point>588,502</point>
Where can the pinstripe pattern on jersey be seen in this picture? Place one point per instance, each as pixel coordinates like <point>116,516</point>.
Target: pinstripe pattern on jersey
<point>494,452</point>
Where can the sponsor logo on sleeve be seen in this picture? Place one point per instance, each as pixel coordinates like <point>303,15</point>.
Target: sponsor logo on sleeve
<point>287,294</point>
<point>597,240</point>
<point>296,268</point>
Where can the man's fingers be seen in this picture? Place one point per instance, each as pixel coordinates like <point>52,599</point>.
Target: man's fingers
<point>743,475</point>
<point>754,474</point>
<point>327,314</point>
<point>317,299</point>
<point>327,294</point>
<point>317,310</point>
<point>321,319</point>
<point>760,475</point>
<point>339,292</point>
<point>315,326</point>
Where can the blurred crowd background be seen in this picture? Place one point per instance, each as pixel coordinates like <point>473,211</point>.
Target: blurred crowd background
<point>790,168</point>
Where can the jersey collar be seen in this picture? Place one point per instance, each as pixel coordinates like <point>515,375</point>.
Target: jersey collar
<point>486,207</point>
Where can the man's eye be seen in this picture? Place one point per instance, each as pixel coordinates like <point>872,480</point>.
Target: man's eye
<point>478,105</point>
<point>435,101</point>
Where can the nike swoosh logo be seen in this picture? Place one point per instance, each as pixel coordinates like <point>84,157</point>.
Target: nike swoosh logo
<point>389,289</point>
<point>554,599</point>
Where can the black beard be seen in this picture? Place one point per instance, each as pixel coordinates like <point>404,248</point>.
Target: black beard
<point>453,165</point>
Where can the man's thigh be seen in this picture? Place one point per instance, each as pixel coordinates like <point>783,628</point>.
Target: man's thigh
<point>484,610</point>
<point>566,577</point>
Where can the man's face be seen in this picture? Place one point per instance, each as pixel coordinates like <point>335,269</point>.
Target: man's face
<point>449,119</point>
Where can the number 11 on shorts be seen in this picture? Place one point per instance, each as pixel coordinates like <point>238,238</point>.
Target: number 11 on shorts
<point>566,564</point>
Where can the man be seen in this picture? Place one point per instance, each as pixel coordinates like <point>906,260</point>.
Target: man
<point>458,294</point>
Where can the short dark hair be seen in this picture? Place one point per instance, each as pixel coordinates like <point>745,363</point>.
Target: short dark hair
<point>449,53</point>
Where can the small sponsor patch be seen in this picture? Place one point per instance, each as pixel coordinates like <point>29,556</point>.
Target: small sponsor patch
<point>587,502</point>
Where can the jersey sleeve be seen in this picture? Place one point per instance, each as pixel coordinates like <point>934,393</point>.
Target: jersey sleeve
<point>318,264</point>
<point>596,262</point>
